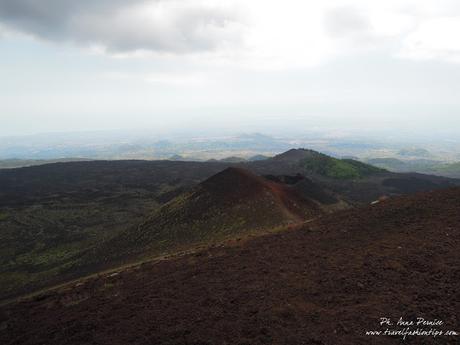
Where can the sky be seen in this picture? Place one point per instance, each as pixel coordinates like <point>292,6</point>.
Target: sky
<point>85,65</point>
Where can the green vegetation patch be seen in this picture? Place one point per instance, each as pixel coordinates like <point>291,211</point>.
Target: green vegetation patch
<point>3,216</point>
<point>51,256</point>
<point>453,169</point>
<point>338,168</point>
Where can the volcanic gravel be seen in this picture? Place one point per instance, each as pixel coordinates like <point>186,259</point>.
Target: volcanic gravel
<point>323,282</point>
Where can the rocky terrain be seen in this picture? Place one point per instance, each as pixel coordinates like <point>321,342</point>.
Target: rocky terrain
<point>327,281</point>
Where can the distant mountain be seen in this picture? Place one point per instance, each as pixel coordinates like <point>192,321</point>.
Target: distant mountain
<point>176,158</point>
<point>234,201</point>
<point>258,158</point>
<point>19,163</point>
<point>425,166</point>
<point>414,152</point>
<point>232,159</point>
<point>396,165</point>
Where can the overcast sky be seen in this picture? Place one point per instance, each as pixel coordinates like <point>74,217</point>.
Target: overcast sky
<point>69,65</point>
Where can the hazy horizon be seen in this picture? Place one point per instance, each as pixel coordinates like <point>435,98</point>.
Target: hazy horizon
<point>232,66</point>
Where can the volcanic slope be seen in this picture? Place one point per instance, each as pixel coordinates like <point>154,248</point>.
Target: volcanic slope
<point>327,282</point>
<point>54,217</point>
<point>232,202</point>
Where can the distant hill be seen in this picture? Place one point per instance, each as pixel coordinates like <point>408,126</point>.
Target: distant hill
<point>414,152</point>
<point>425,166</point>
<point>257,158</point>
<point>356,181</point>
<point>450,170</point>
<point>320,164</point>
<point>232,159</point>
<point>19,163</point>
<point>234,201</point>
<point>176,158</point>
<point>397,165</point>
<point>295,155</point>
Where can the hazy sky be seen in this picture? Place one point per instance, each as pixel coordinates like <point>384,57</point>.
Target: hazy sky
<point>70,65</point>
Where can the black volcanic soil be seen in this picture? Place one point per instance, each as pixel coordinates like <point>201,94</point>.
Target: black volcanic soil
<point>325,282</point>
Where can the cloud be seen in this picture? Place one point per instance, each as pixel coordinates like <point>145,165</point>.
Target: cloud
<point>408,29</point>
<point>434,39</point>
<point>161,26</point>
<point>159,78</point>
<point>343,21</point>
<point>255,34</point>
<point>351,30</point>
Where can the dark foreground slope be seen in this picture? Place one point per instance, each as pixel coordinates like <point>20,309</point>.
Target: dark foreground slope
<point>326,282</point>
